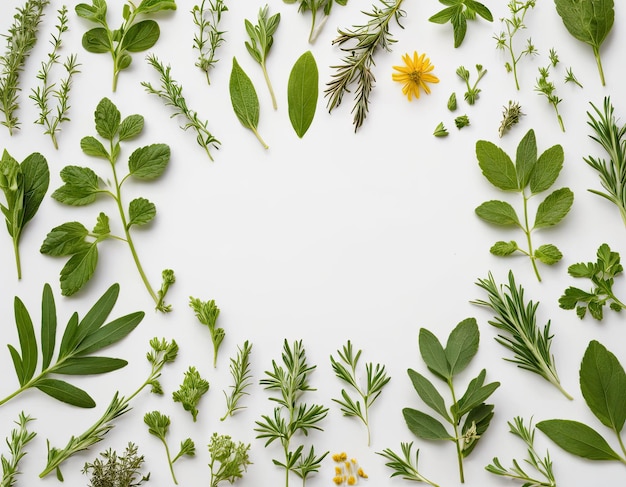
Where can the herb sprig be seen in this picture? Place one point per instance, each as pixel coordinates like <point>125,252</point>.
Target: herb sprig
<point>458,12</point>
<point>208,38</point>
<point>405,466</point>
<point>359,45</point>
<point>471,95</point>
<point>240,371</point>
<point>547,88</point>
<point>207,313</point>
<point>17,442</point>
<point>517,319</point>
<point>511,115</point>
<point>229,459</point>
<point>315,7</point>
<point>191,391</point>
<point>111,469</point>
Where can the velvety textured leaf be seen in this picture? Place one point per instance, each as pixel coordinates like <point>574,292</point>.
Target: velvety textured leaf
<point>428,393</point>
<point>140,212</point>
<point>577,439</point>
<point>107,118</point>
<point>433,354</point>
<point>48,326</point>
<point>66,239</point>
<point>547,169</point>
<point>554,208</point>
<point>78,270</point>
<point>149,162</point>
<point>526,158</point>
<point>302,93</point>
<point>141,36</point>
<point>497,166</point>
<point>36,181</point>
<point>462,345</point>
<point>497,213</point>
<point>90,365</point>
<point>65,392</point>
<point>424,426</point>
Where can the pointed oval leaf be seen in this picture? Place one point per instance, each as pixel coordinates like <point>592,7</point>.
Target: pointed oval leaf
<point>141,36</point>
<point>554,208</point>
<point>131,127</point>
<point>68,341</point>
<point>603,385</point>
<point>462,345</point>
<point>589,21</point>
<point>548,254</point>
<point>480,417</point>
<point>93,147</point>
<point>78,270</point>
<point>66,239</point>
<point>443,16</point>
<point>149,162</point>
<point>107,118</point>
<point>497,213</point>
<point>428,393</point>
<point>243,97</point>
<point>36,179</point>
<point>496,166</point>
<point>65,392</point>
<point>526,158</point>
<point>578,439</point>
<point>17,364</point>
<point>48,326</point>
<point>96,41</point>
<point>547,169</point>
<point>151,6</point>
<point>433,354</point>
<point>424,426</point>
<point>28,341</point>
<point>110,333</point>
<point>96,316</point>
<point>302,93</point>
<point>89,365</point>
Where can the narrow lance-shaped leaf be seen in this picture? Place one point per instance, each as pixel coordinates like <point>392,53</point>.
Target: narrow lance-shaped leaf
<point>48,326</point>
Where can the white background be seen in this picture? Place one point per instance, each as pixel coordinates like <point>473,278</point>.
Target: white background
<point>368,237</point>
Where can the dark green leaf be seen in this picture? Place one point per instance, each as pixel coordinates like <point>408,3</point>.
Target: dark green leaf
<point>48,326</point>
<point>526,158</point>
<point>140,212</point>
<point>433,354</point>
<point>443,16</point>
<point>89,365</point>
<point>93,147</point>
<point>141,36</point>
<point>66,239</point>
<point>497,166</point>
<point>498,213</point>
<point>428,393</point>
<point>107,118</point>
<point>17,364</point>
<point>110,333</point>
<point>81,186</point>
<point>36,180</point>
<point>483,11</point>
<point>548,254</point>
<point>65,392</point>
<point>149,162</point>
<point>462,345</point>
<point>78,270</point>
<point>69,341</point>
<point>480,417</point>
<point>503,249</point>
<point>131,127</point>
<point>28,341</point>
<point>97,41</point>
<point>554,208</point>
<point>302,92</point>
<point>547,169</point>
<point>577,439</point>
<point>603,385</point>
<point>424,426</point>
<point>475,394</point>
<point>243,97</point>
<point>589,21</point>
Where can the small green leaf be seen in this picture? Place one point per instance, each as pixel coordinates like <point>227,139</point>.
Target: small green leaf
<point>302,93</point>
<point>78,270</point>
<point>526,158</point>
<point>28,341</point>
<point>498,213</point>
<point>547,169</point>
<point>131,127</point>
<point>424,426</point>
<point>578,439</point>
<point>548,254</point>
<point>503,249</point>
<point>443,16</point>
<point>475,394</point>
<point>96,41</point>
<point>140,212</point>
<point>243,97</point>
<point>459,27</point>
<point>48,326</point>
<point>36,178</point>
<point>110,333</point>
<point>462,345</point>
<point>90,365</point>
<point>65,392</point>
<point>101,228</point>
<point>149,162</point>
<point>93,147</point>
<point>66,239</point>
<point>554,208</point>
<point>107,118</point>
<point>434,354</point>
<point>81,186</point>
<point>95,13</point>
<point>141,36</point>
<point>496,166</point>
<point>428,393</point>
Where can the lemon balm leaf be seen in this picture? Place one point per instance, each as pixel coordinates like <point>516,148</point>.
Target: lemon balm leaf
<point>302,93</point>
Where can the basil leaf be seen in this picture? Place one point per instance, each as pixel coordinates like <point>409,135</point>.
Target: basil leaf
<point>141,36</point>
<point>498,213</point>
<point>554,208</point>
<point>149,162</point>
<point>497,166</point>
<point>424,426</point>
<point>578,439</point>
<point>302,92</point>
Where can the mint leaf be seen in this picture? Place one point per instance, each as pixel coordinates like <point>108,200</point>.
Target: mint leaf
<point>554,208</point>
<point>548,254</point>
<point>503,249</point>
<point>81,186</point>
<point>66,239</point>
<point>498,213</point>
<point>141,211</point>
<point>107,118</point>
<point>78,270</point>
<point>149,162</point>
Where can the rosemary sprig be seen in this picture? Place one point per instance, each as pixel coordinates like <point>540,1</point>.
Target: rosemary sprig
<point>510,116</point>
<point>357,64</point>
<point>20,40</point>
<point>542,466</point>
<point>261,40</point>
<point>376,378</point>
<point>162,352</point>
<point>42,94</point>
<point>547,89</point>
<point>208,38</point>
<point>530,345</point>
<point>612,138</point>
<point>172,94</point>
<point>20,437</point>
<point>242,378</point>
<point>404,466</point>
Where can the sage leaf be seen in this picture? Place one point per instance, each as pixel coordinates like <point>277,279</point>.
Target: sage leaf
<point>462,345</point>
<point>554,208</point>
<point>428,393</point>
<point>433,354</point>
<point>578,439</point>
<point>425,426</point>
<point>498,213</point>
<point>496,166</point>
<point>526,158</point>
<point>245,100</point>
<point>302,93</point>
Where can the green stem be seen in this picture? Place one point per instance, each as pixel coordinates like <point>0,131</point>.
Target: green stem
<point>621,445</point>
<point>528,239</point>
<point>16,250</point>
<point>455,422</point>
<point>313,15</point>
<point>260,139</point>
<point>169,460</point>
<point>596,53</point>
<point>269,85</point>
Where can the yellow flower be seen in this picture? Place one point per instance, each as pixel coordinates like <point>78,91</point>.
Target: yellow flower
<point>415,75</point>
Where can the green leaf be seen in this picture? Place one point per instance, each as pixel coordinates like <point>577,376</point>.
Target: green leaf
<point>496,166</point>
<point>503,249</point>
<point>101,227</point>
<point>443,16</point>
<point>547,169</point>
<point>554,208</point>
<point>498,213</point>
<point>36,179</point>
<point>433,354</point>
<point>140,212</point>
<point>97,41</point>
<point>589,21</point>
<point>78,270</point>
<point>577,439</point>
<point>141,36</point>
<point>131,127</point>
<point>603,385</point>
<point>462,345</point>
<point>89,365</point>
<point>110,333</point>
<point>526,158</point>
<point>151,6</point>
<point>69,341</point>
<point>459,27</point>
<point>107,118</point>
<point>65,392</point>
<point>95,13</point>
<point>243,97</point>
<point>93,147</point>
<point>424,426</point>
<point>428,393</point>
<point>17,364</point>
<point>48,326</point>
<point>66,239</point>
<point>28,341</point>
<point>81,186</point>
<point>582,270</point>
<point>548,254</point>
<point>149,162</point>
<point>480,417</point>
<point>475,394</point>
<point>483,11</point>
<point>302,93</point>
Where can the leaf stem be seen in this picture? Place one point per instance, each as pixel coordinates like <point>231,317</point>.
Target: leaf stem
<point>455,422</point>
<point>16,250</point>
<point>269,86</point>
<point>596,53</point>
<point>528,238</point>
<point>258,136</point>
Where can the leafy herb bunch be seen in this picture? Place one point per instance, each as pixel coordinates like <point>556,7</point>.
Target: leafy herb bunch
<point>468,416</point>
<point>83,187</point>
<point>133,35</point>
<point>529,176</point>
<point>315,6</point>
<point>458,12</point>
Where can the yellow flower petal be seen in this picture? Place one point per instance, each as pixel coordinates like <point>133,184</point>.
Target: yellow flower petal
<point>414,75</point>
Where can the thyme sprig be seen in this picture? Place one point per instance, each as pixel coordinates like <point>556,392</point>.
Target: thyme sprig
<point>522,336</point>
<point>242,379</point>
<point>511,115</point>
<point>547,88</point>
<point>49,118</point>
<point>571,78</point>
<point>171,92</point>
<point>20,437</point>
<point>359,45</point>
<point>111,469</point>
<point>162,352</point>
<point>208,37</point>
<point>20,40</point>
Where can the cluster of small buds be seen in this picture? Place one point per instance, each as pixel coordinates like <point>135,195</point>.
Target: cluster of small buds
<point>347,472</point>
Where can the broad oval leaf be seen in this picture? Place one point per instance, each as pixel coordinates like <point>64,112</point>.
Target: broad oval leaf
<point>603,385</point>
<point>141,36</point>
<point>554,208</point>
<point>130,127</point>
<point>65,392</point>
<point>497,213</point>
<point>428,393</point>
<point>96,12</point>
<point>140,212</point>
<point>547,169</point>
<point>433,354</point>
<point>462,345</point>
<point>81,186</point>
<point>302,93</point>
<point>89,365</point>
<point>526,158</point>
<point>93,147</point>
<point>503,249</point>
<point>66,239</point>
<point>496,166</point>
<point>548,254</point>
<point>424,426</point>
<point>578,439</point>
<point>243,97</point>
<point>97,41</point>
<point>149,162</point>
<point>107,118</point>
<point>589,21</point>
<point>78,270</point>
<point>36,179</point>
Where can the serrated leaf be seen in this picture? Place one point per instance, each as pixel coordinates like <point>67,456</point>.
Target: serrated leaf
<point>428,393</point>
<point>89,365</point>
<point>434,354</point>
<point>48,326</point>
<point>141,36</point>
<point>503,249</point>
<point>547,169</point>
<point>140,212</point>
<point>66,239</point>
<point>554,208</point>
<point>462,345</point>
<point>526,158</point>
<point>548,254</point>
<point>101,227</point>
<point>424,426</point>
<point>65,392</point>
<point>572,296</point>
<point>497,213</point>
<point>496,166</point>
<point>107,118</point>
<point>131,127</point>
<point>578,439</point>
<point>603,385</point>
<point>302,93</point>
<point>78,270</point>
<point>81,186</point>
<point>93,147</point>
<point>582,270</point>
<point>28,341</point>
<point>149,162</point>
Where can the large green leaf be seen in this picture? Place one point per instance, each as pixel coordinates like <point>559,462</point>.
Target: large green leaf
<point>497,166</point>
<point>81,186</point>
<point>48,326</point>
<point>428,393</point>
<point>243,97</point>
<point>526,158</point>
<point>149,162</point>
<point>462,345</point>
<point>141,36</point>
<point>434,354</point>
<point>97,41</point>
<point>89,365</point>
<point>28,341</point>
<point>66,239</point>
<point>78,270</point>
<point>554,208</point>
<point>498,213</point>
<point>302,93</point>
<point>424,426</point>
<point>110,333</point>
<point>36,178</point>
<point>65,392</point>
<point>589,21</point>
<point>577,438</point>
<point>547,169</point>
